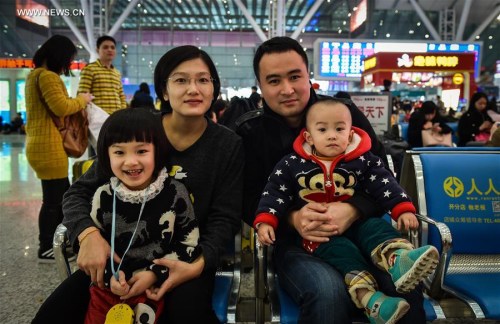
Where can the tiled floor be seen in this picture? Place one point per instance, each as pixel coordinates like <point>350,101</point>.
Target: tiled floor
<point>24,283</point>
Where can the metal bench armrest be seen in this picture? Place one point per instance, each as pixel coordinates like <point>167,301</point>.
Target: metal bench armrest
<point>435,286</point>
<point>59,246</point>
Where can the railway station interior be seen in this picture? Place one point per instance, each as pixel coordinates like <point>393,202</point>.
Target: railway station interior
<point>391,57</point>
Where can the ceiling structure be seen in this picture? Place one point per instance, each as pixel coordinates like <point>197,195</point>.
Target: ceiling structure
<point>473,20</point>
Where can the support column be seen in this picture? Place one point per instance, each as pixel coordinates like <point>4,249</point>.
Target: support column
<point>425,20</point>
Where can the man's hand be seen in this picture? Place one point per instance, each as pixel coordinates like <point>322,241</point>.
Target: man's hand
<point>92,257</point>
<point>342,216</point>
<point>312,222</point>
<point>179,273</point>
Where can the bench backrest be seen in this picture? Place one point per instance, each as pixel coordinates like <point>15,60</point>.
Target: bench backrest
<point>460,188</point>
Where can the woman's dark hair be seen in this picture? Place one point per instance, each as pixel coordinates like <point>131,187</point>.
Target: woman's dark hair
<point>475,98</point>
<point>236,108</point>
<point>429,107</point>
<point>280,44</point>
<point>127,125</point>
<point>172,59</point>
<point>143,87</point>
<point>57,53</point>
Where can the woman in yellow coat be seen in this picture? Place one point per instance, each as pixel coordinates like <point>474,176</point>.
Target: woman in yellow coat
<point>44,148</point>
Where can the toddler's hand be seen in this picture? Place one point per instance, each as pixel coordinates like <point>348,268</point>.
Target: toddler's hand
<point>266,234</point>
<point>407,221</point>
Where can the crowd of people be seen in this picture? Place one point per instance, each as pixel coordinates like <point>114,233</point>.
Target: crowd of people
<point>476,124</point>
<point>165,254</point>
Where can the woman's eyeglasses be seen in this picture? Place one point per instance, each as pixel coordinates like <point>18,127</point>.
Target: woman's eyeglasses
<point>184,81</point>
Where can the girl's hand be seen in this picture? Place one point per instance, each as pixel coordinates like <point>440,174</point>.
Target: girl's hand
<point>407,221</point>
<point>266,234</point>
<point>140,281</point>
<point>179,273</point>
<point>119,287</point>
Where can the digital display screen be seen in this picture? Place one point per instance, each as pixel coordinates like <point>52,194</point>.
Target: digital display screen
<point>338,59</point>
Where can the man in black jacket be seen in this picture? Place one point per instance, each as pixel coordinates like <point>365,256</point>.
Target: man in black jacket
<point>280,66</point>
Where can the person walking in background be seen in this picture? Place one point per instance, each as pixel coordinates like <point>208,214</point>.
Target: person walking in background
<point>474,124</point>
<point>102,79</point>
<point>153,214</point>
<point>142,98</point>
<point>255,97</point>
<point>44,148</point>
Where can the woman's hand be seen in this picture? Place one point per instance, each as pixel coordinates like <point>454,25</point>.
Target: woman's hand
<point>312,222</point>
<point>486,125</point>
<point>436,128</point>
<point>427,125</point>
<point>179,273</point>
<point>87,97</point>
<point>92,257</point>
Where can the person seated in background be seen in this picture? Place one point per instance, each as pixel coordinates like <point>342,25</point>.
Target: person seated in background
<point>142,98</point>
<point>16,125</point>
<point>492,111</point>
<point>425,118</point>
<point>237,107</point>
<point>495,136</point>
<point>219,106</point>
<point>474,125</point>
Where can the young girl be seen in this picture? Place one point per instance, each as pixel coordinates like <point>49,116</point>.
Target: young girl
<point>142,213</point>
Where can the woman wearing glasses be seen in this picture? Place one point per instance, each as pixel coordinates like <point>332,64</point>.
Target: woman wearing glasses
<point>187,83</point>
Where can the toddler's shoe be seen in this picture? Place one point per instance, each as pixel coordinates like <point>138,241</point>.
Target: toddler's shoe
<point>383,309</point>
<point>409,267</point>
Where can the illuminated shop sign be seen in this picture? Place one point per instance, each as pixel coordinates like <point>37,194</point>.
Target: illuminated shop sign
<point>338,59</point>
<point>14,63</point>
<point>384,62</point>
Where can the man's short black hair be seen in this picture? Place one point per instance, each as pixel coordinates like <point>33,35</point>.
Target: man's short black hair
<point>104,38</point>
<point>280,44</point>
